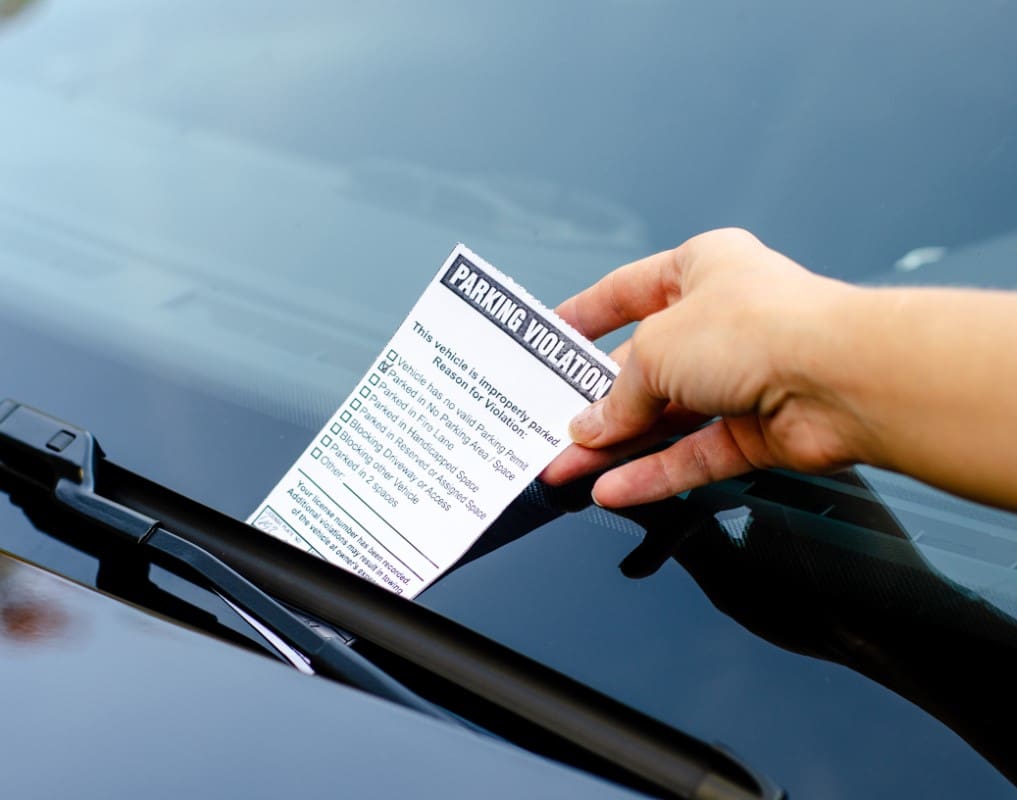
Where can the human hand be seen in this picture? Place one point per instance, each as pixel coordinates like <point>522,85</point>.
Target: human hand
<point>730,329</point>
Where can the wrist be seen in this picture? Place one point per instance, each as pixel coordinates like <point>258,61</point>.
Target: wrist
<point>836,347</point>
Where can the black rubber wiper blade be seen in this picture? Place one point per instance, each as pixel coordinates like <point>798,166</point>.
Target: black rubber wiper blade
<point>598,732</point>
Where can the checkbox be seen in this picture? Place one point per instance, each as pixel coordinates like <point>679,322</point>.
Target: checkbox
<point>326,440</point>
<point>373,380</point>
<point>391,355</point>
<point>365,391</point>
<point>335,428</point>
<point>316,453</point>
<point>354,404</point>
<point>345,416</point>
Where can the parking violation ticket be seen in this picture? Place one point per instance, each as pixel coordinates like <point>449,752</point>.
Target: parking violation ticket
<point>466,404</point>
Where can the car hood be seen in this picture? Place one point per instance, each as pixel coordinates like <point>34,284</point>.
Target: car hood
<point>105,700</point>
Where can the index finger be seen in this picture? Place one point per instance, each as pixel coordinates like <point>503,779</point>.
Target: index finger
<point>627,294</point>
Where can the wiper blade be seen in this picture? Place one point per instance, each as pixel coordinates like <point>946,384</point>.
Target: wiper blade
<point>73,454</point>
<point>260,574</point>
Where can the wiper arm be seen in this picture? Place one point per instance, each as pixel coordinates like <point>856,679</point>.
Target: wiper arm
<point>259,574</point>
<point>73,455</point>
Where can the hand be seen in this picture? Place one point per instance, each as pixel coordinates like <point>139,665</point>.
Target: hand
<point>727,330</point>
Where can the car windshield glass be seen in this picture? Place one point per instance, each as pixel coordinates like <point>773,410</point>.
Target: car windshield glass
<point>249,195</point>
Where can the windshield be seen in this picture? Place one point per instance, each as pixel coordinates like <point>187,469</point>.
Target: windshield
<point>253,193</point>
<point>247,197</point>
<point>250,195</point>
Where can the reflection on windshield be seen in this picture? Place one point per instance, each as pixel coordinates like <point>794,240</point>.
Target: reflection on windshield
<point>827,570</point>
<point>11,8</point>
<point>284,296</point>
<point>988,264</point>
<point>504,207</point>
<point>31,610</point>
<point>865,598</point>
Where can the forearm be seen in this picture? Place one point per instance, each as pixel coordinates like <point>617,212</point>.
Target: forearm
<point>928,380</point>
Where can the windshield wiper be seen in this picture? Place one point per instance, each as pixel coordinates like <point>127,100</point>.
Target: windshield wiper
<point>261,576</point>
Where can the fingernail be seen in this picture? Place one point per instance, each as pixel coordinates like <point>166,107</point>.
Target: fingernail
<point>588,423</point>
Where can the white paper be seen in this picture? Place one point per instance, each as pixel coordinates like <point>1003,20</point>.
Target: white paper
<point>466,404</point>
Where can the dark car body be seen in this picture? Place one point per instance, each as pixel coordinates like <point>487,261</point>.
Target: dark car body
<point>211,218</point>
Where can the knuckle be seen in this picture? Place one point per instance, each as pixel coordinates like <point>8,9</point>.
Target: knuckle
<point>704,468</point>
<point>614,302</point>
<point>669,477</point>
<point>737,235</point>
<point>719,239</point>
<point>731,238</point>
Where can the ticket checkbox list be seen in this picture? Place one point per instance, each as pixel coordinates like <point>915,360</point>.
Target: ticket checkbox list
<point>463,408</point>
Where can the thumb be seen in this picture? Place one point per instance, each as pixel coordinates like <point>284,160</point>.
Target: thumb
<point>629,409</point>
